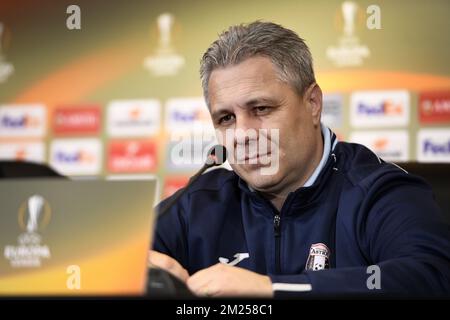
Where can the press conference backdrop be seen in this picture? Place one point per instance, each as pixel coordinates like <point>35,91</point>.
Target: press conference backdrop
<point>111,88</point>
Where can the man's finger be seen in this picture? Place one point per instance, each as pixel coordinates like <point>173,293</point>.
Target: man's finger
<point>200,279</point>
<point>169,264</point>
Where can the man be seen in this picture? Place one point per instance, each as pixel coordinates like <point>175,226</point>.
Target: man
<point>332,219</point>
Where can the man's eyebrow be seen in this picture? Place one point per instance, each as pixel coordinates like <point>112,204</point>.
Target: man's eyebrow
<point>248,104</point>
<point>259,101</point>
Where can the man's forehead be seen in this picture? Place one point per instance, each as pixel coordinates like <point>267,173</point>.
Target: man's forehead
<point>255,68</point>
<point>244,84</point>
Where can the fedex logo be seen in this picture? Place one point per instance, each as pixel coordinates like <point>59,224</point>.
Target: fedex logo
<point>379,108</point>
<point>79,156</point>
<point>132,118</point>
<point>187,114</point>
<point>384,108</point>
<point>22,121</point>
<point>433,145</point>
<point>179,116</point>
<point>391,145</point>
<point>437,148</point>
<point>76,156</point>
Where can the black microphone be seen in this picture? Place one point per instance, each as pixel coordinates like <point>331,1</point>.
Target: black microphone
<point>217,155</point>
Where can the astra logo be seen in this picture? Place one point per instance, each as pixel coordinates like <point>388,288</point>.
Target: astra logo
<point>22,121</point>
<point>385,108</point>
<point>436,148</point>
<point>80,156</point>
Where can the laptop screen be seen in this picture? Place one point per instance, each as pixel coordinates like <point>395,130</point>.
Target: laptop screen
<point>61,237</point>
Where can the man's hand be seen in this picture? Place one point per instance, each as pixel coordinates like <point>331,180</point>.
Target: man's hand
<point>167,263</point>
<point>228,281</point>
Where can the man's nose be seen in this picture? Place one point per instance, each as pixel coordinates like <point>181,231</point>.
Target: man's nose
<point>246,129</point>
<point>245,122</point>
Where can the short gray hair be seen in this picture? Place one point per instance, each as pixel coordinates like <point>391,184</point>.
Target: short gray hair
<point>287,51</point>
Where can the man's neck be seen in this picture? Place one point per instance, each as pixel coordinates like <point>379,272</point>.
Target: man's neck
<point>278,199</point>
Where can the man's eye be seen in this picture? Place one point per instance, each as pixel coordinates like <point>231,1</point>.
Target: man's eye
<point>261,110</point>
<point>225,119</point>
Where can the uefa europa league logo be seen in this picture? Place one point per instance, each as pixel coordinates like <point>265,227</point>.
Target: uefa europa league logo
<point>349,52</point>
<point>165,61</point>
<point>34,215</point>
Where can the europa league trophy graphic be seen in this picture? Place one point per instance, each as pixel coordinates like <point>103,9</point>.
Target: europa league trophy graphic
<point>35,205</point>
<point>349,52</point>
<point>165,61</point>
<point>6,69</point>
<point>349,13</point>
<point>165,22</point>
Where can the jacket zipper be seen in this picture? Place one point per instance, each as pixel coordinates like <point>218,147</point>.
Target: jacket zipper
<point>277,233</point>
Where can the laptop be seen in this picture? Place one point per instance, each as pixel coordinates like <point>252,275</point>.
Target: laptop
<point>68,237</point>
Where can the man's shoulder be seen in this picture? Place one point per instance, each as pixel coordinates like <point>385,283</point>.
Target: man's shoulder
<point>363,168</point>
<point>214,180</point>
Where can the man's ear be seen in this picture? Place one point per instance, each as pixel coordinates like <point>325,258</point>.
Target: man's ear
<point>312,98</point>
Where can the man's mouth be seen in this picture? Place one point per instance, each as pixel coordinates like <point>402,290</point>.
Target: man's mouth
<point>256,157</point>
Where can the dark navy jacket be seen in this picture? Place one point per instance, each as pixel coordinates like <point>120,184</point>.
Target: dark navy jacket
<point>367,212</point>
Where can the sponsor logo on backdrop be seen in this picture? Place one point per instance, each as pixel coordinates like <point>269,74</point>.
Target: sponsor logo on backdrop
<point>379,108</point>
<point>165,61</point>
<point>188,154</point>
<point>349,52</point>
<point>33,216</point>
<point>132,156</point>
<point>84,120</point>
<point>434,107</point>
<point>6,68</point>
<point>22,120</point>
<point>388,145</point>
<point>131,177</point>
<point>332,110</point>
<point>23,151</point>
<point>76,156</point>
<point>172,184</point>
<point>433,145</point>
<point>133,118</point>
<point>187,114</point>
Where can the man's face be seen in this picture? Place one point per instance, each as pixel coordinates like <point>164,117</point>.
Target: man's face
<point>250,95</point>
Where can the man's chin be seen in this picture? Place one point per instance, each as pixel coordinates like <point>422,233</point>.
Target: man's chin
<point>263,183</point>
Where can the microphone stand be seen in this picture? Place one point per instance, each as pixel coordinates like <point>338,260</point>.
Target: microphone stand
<point>216,157</point>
